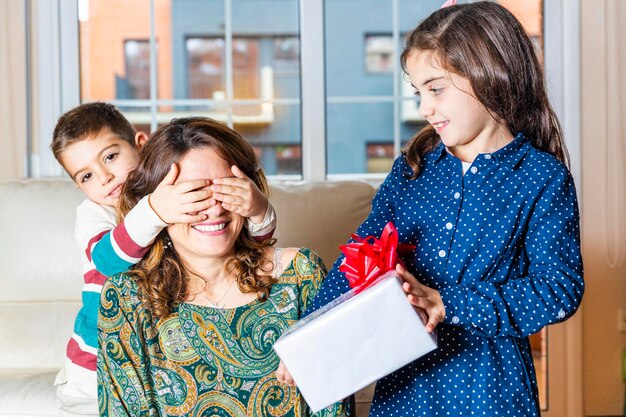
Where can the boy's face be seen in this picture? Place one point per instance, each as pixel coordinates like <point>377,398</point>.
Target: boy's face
<point>99,165</point>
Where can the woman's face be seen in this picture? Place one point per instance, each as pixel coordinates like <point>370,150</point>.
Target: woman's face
<point>215,236</point>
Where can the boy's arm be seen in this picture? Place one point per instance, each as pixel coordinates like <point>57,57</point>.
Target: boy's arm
<point>115,248</point>
<point>264,230</point>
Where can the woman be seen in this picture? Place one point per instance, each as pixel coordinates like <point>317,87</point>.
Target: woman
<point>190,330</point>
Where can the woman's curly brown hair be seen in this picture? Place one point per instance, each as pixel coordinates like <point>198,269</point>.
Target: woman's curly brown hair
<point>161,275</point>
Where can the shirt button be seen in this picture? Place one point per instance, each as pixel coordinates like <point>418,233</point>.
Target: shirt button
<point>457,195</point>
<point>442,253</point>
<point>449,226</point>
<point>474,170</point>
<point>455,320</point>
<point>561,314</point>
<point>488,156</point>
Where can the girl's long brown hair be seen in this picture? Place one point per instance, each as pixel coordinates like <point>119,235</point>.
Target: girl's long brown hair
<point>162,276</point>
<point>486,44</point>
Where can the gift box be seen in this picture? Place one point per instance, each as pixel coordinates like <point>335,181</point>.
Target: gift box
<point>358,338</point>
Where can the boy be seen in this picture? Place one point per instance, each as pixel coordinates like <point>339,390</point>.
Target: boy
<point>98,148</point>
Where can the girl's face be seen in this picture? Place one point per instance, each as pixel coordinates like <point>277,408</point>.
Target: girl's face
<point>214,237</point>
<point>448,103</point>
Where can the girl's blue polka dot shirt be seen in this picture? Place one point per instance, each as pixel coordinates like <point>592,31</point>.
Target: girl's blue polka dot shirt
<point>501,243</point>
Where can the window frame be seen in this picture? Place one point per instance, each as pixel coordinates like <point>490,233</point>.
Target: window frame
<point>57,58</point>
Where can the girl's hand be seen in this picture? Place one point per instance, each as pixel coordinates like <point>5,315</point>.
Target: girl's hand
<point>180,203</point>
<point>425,298</point>
<point>283,376</point>
<point>241,195</point>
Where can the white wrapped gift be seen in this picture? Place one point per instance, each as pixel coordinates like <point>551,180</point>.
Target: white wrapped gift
<point>354,341</point>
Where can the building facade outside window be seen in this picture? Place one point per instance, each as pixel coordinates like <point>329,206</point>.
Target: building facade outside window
<point>136,84</point>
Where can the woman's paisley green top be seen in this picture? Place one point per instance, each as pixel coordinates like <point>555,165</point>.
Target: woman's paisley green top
<point>203,361</point>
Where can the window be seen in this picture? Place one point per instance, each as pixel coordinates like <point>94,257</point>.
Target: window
<point>136,84</point>
<point>286,54</point>
<point>206,68</point>
<point>380,157</point>
<point>205,61</point>
<point>239,62</point>
<point>375,100</point>
<point>235,61</point>
<point>379,53</point>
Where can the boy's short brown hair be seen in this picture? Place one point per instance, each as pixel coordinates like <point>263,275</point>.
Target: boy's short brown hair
<point>86,121</point>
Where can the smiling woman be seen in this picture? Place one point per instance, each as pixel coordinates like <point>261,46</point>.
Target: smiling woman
<point>191,328</point>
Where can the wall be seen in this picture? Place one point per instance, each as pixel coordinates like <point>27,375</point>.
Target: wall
<point>603,202</point>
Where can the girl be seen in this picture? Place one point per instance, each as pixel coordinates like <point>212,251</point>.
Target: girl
<point>485,195</point>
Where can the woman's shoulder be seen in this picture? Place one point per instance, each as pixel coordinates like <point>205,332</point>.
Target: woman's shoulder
<point>300,261</point>
<point>287,254</point>
<point>125,288</point>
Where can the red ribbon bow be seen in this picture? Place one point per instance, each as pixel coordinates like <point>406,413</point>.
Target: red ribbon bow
<point>368,258</point>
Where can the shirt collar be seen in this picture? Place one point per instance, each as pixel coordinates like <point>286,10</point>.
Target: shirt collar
<point>437,154</point>
<point>510,155</point>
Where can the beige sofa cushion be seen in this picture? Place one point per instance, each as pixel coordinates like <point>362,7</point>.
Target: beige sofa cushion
<point>28,394</point>
<point>40,277</point>
<point>320,216</point>
<point>39,259</point>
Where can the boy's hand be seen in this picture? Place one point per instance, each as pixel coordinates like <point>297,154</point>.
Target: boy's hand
<point>241,195</point>
<point>180,203</point>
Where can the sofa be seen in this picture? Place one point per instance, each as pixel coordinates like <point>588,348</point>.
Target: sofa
<point>40,276</point>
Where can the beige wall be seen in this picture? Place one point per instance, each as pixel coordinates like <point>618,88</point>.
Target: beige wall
<point>12,89</point>
<point>603,201</point>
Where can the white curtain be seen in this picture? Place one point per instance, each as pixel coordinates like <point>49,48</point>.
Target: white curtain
<point>615,146</point>
<point>12,89</point>
<point>604,202</point>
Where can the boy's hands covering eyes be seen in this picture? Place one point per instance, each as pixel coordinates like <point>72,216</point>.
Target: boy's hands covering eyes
<point>182,202</point>
<point>240,195</point>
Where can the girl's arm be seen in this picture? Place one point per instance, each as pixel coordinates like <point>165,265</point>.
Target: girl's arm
<point>114,249</point>
<point>382,212</point>
<point>550,292</point>
<point>121,369</point>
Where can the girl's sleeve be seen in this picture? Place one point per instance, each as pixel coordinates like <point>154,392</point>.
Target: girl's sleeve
<point>382,212</point>
<point>121,369</point>
<point>115,249</point>
<point>265,230</point>
<point>550,292</point>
